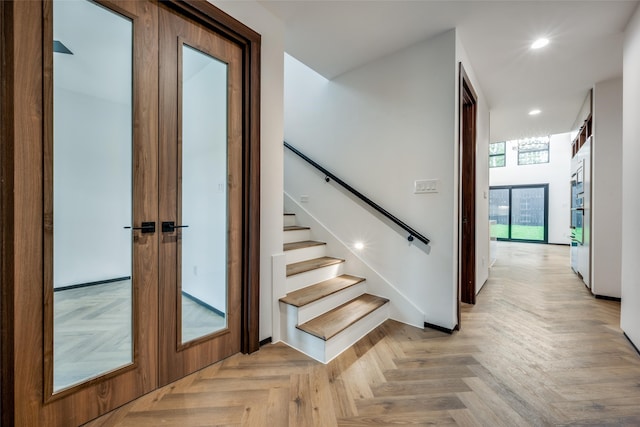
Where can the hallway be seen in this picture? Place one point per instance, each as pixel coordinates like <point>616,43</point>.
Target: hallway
<point>536,349</point>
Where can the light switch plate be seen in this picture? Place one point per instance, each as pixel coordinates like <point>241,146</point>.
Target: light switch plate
<point>422,186</point>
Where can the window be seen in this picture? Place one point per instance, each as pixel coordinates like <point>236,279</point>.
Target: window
<point>532,151</point>
<point>497,155</point>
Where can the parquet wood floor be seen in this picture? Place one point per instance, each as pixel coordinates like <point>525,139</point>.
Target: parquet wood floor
<point>537,349</point>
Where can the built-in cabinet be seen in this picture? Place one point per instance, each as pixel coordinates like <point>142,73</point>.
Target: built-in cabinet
<point>596,194</point>
<point>606,189</point>
<point>581,203</point>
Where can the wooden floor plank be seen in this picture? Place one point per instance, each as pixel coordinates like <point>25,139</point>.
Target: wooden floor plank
<point>277,408</point>
<point>300,406</point>
<point>408,405</point>
<point>465,418</point>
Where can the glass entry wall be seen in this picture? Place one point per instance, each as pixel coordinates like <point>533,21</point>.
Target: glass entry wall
<point>521,212</point>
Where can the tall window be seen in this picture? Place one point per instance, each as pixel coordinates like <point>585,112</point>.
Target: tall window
<point>497,155</point>
<point>532,151</point>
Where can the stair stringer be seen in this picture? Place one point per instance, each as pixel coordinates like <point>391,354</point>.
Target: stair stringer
<point>401,308</point>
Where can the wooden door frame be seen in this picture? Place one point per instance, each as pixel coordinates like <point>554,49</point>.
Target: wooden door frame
<point>6,219</point>
<point>468,101</point>
<point>22,186</point>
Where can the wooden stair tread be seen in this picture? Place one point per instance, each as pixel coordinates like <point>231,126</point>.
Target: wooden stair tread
<point>295,228</point>
<point>301,245</point>
<point>311,264</point>
<point>312,293</point>
<point>340,318</point>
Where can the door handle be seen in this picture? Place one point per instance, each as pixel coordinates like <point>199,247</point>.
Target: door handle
<point>169,226</point>
<point>147,227</point>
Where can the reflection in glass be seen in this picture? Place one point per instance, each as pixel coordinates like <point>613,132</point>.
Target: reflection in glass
<point>92,191</point>
<point>204,194</point>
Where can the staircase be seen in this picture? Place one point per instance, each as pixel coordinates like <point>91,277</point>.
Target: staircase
<point>325,310</point>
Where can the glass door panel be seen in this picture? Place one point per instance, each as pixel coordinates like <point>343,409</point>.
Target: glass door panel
<point>92,191</point>
<point>520,212</point>
<point>499,212</point>
<point>203,169</point>
<point>528,214</point>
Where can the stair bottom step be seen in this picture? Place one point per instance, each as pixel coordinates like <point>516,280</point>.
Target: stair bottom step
<point>340,318</point>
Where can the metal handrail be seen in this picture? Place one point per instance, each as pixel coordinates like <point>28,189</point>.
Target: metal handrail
<point>330,176</point>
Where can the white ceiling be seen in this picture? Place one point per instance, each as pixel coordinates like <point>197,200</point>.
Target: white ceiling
<point>333,37</point>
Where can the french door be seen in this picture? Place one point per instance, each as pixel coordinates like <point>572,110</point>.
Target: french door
<point>136,234</point>
<point>158,282</point>
<point>521,212</point>
<point>200,203</point>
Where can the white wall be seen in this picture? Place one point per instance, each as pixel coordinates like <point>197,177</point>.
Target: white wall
<point>204,179</point>
<point>630,312</point>
<point>252,14</point>
<point>556,173</point>
<point>482,168</point>
<point>583,114</point>
<point>380,127</point>
<point>606,196</point>
<point>92,189</point>
<point>92,174</point>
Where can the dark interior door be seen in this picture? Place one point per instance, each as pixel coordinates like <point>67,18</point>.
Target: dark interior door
<point>467,259</point>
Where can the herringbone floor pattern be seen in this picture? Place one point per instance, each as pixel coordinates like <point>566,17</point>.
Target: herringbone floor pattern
<point>537,349</point>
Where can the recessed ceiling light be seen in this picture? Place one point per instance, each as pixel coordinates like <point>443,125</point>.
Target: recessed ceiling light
<point>534,112</point>
<point>359,246</point>
<point>541,42</point>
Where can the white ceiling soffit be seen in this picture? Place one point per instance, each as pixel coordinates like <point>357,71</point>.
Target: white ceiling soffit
<point>334,37</point>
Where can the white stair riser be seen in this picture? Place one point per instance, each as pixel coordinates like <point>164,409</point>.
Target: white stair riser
<point>302,280</point>
<point>353,333</point>
<point>325,351</point>
<point>289,220</point>
<point>316,308</point>
<point>306,343</point>
<point>297,255</point>
<point>296,236</point>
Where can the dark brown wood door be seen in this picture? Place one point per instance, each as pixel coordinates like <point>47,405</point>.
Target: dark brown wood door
<point>467,252</point>
<point>200,186</point>
<point>96,144</point>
